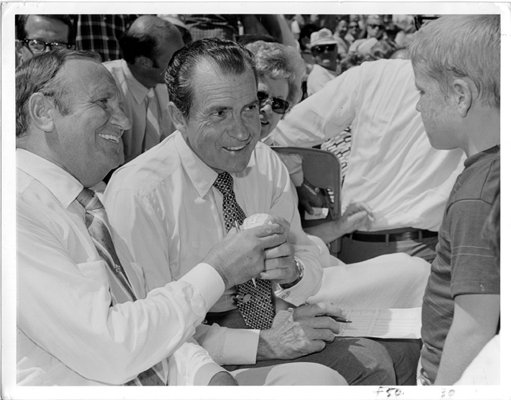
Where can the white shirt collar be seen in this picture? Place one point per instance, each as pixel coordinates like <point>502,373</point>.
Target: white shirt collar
<point>201,175</point>
<point>60,183</point>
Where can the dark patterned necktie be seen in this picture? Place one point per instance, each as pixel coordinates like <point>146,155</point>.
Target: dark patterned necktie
<point>120,286</point>
<point>253,301</point>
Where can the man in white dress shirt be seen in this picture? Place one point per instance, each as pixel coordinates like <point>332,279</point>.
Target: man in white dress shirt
<point>147,47</point>
<point>72,328</point>
<point>167,207</point>
<point>324,50</point>
<point>392,166</point>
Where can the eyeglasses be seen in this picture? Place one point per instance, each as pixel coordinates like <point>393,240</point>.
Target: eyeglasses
<point>38,46</point>
<point>373,26</point>
<point>279,106</point>
<point>321,49</point>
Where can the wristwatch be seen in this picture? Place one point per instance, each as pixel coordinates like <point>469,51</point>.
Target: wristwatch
<point>300,268</point>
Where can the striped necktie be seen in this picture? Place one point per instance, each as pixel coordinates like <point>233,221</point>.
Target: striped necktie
<point>152,127</point>
<point>254,302</point>
<point>120,286</point>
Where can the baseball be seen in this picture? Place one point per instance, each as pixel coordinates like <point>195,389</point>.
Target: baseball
<point>256,220</point>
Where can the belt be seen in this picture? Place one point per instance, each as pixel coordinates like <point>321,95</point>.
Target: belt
<point>417,234</point>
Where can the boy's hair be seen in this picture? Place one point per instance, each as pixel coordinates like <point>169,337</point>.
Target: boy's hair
<point>461,46</point>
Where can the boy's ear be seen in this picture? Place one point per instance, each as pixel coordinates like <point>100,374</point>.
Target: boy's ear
<point>463,91</point>
<point>177,117</point>
<point>42,111</point>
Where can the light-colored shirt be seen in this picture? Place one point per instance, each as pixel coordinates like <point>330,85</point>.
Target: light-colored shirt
<point>165,207</point>
<point>318,78</point>
<point>68,332</point>
<point>135,105</point>
<point>392,166</point>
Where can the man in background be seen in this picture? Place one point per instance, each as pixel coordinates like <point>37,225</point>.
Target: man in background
<point>389,152</point>
<point>324,50</point>
<point>39,33</point>
<point>147,47</point>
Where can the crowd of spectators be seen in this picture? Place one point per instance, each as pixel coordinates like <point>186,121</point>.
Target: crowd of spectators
<point>358,37</point>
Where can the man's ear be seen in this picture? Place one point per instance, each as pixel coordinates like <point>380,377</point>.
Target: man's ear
<point>143,62</point>
<point>177,117</point>
<point>42,112</point>
<point>463,91</point>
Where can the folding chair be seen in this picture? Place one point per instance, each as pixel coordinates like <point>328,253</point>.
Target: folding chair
<point>321,168</point>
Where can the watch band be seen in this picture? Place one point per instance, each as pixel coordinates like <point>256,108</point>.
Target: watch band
<point>300,268</point>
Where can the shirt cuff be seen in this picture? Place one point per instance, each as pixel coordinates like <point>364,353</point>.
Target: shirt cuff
<point>207,281</point>
<point>206,372</point>
<point>241,346</point>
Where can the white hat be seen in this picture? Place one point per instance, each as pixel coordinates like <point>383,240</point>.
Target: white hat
<point>324,36</point>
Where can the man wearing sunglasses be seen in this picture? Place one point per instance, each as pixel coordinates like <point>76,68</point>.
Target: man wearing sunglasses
<point>324,51</point>
<point>36,34</point>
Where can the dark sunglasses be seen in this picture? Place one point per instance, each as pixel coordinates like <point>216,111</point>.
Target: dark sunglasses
<point>321,49</point>
<point>38,46</point>
<point>373,26</point>
<point>279,106</point>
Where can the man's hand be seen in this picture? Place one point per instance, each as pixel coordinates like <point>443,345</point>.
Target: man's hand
<point>240,255</point>
<point>309,196</point>
<point>223,379</point>
<point>275,219</point>
<point>280,265</point>
<point>356,216</point>
<point>299,333</point>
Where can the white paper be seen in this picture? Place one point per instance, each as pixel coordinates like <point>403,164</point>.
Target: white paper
<point>394,323</point>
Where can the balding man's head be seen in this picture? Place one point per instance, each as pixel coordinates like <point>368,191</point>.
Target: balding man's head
<point>148,45</point>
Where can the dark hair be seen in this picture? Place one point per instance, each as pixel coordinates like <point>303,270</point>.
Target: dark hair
<point>21,21</point>
<point>306,32</point>
<point>133,46</point>
<point>229,56</point>
<point>39,74</point>
<point>144,39</point>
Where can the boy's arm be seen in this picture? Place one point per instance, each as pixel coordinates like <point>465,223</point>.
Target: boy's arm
<point>475,322</point>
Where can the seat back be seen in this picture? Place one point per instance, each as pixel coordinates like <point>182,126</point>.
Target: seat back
<point>320,168</point>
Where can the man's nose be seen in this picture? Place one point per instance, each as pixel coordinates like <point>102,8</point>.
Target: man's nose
<point>120,118</point>
<point>240,130</point>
